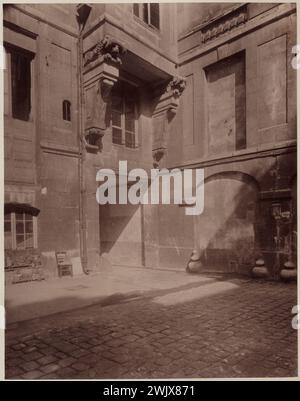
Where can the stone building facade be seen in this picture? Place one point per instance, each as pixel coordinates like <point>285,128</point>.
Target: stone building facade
<point>167,85</point>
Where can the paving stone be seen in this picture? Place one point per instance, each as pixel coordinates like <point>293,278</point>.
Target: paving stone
<point>46,360</point>
<point>242,333</point>
<point>10,363</point>
<point>32,356</point>
<point>52,367</point>
<point>66,362</point>
<point>80,366</point>
<point>28,366</point>
<point>13,372</point>
<point>32,375</point>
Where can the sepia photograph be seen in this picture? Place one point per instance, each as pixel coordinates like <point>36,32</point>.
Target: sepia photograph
<point>150,192</point>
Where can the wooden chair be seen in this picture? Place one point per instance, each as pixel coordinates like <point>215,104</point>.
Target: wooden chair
<point>64,268</point>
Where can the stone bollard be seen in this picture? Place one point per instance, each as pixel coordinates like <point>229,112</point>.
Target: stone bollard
<point>194,265</point>
<point>289,272</point>
<point>260,270</point>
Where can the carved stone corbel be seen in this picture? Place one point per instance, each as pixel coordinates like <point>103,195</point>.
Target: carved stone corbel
<point>166,108</point>
<point>104,59</point>
<point>96,116</point>
<point>108,50</point>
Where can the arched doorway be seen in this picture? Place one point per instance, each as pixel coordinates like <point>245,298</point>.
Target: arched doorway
<point>225,232</point>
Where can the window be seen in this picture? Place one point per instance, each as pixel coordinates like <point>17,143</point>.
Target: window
<point>19,231</point>
<point>148,12</point>
<point>20,70</point>
<point>124,115</point>
<point>66,110</point>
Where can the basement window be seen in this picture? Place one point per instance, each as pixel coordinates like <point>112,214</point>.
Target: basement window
<point>148,12</point>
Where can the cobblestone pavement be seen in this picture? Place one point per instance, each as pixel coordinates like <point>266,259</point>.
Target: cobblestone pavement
<point>242,332</point>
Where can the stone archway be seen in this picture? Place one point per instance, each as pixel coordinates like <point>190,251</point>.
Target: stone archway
<point>225,232</point>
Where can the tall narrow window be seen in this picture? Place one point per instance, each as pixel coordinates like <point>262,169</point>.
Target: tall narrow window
<point>24,231</point>
<point>124,115</point>
<point>66,110</point>
<point>21,84</point>
<point>148,12</point>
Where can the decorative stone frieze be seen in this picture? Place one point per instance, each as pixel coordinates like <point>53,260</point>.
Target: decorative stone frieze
<point>224,23</point>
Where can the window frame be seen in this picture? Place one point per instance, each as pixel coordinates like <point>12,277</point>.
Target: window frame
<point>67,111</point>
<point>13,224</point>
<point>141,17</point>
<point>8,91</point>
<point>122,127</point>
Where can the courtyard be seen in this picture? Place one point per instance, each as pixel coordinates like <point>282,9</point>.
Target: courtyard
<point>207,327</point>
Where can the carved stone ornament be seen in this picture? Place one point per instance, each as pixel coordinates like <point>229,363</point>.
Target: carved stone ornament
<point>157,156</point>
<point>224,23</point>
<point>165,110</point>
<point>177,86</point>
<point>110,49</point>
<point>96,118</point>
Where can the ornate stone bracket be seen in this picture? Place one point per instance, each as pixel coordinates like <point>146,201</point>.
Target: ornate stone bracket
<point>110,50</point>
<point>104,59</point>
<point>166,108</point>
<point>96,114</point>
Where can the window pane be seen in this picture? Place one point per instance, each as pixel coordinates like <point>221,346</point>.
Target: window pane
<point>129,140</point>
<point>19,228</point>
<point>20,241</point>
<point>129,107</point>
<point>129,124</point>
<point>29,227</point>
<point>29,241</point>
<point>66,105</point>
<point>136,9</point>
<point>28,217</point>
<point>7,226</point>
<point>7,217</point>
<point>21,85</point>
<point>20,216</point>
<point>145,13</point>
<point>117,136</point>
<point>116,118</point>
<point>154,15</point>
<point>7,240</point>
<point>117,103</point>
